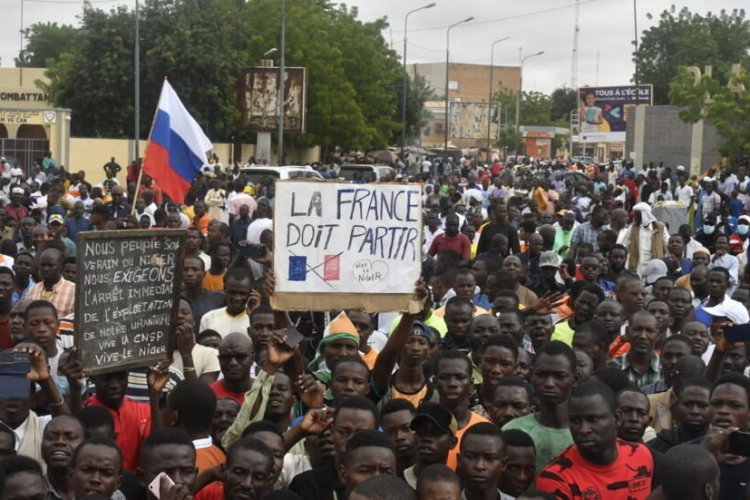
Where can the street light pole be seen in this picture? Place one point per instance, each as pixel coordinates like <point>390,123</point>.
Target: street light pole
<point>404,86</point>
<point>635,29</point>
<point>447,68</point>
<point>281,96</point>
<point>518,95</point>
<point>137,83</point>
<point>489,99</point>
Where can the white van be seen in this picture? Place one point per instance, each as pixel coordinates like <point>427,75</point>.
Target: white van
<point>257,174</point>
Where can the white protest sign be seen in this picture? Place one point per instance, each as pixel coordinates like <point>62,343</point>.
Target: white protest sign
<point>352,239</point>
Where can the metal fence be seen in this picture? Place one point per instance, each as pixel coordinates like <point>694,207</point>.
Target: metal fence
<point>23,151</point>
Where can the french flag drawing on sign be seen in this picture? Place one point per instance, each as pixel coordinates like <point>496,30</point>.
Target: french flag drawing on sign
<point>331,267</point>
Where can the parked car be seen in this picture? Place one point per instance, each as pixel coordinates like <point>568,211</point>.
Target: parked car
<point>256,174</point>
<point>572,178</point>
<point>367,173</point>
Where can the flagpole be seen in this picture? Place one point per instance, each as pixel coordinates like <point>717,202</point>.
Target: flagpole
<point>145,153</point>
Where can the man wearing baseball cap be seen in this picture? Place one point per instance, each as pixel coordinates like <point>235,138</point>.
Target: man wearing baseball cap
<point>435,431</point>
<point>411,344</point>
<point>56,225</point>
<point>15,209</point>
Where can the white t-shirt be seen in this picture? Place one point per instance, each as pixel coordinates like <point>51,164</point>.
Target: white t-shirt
<point>224,323</point>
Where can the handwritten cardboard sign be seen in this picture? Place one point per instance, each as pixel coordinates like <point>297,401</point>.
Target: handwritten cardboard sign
<point>340,245</point>
<point>127,296</point>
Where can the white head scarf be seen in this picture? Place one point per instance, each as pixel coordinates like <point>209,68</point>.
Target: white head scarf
<point>646,216</point>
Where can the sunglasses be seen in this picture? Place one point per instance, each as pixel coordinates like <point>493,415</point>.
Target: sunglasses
<point>239,357</point>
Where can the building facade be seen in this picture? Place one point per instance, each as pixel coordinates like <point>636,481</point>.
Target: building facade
<point>467,83</point>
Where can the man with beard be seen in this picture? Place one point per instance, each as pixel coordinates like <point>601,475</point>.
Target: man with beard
<point>22,281</point>
<point>598,465</point>
<point>434,435</point>
<point>645,239</point>
<point>641,364</point>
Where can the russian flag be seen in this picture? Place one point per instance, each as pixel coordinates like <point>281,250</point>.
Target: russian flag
<point>177,147</point>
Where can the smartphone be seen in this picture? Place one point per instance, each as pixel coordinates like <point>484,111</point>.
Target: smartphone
<point>293,338</point>
<point>14,366</point>
<point>739,443</point>
<point>254,251</point>
<point>155,486</point>
<point>737,333</point>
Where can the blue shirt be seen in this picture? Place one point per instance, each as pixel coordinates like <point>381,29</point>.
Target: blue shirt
<point>74,225</point>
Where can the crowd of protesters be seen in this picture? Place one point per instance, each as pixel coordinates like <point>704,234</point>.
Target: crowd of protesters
<point>567,344</point>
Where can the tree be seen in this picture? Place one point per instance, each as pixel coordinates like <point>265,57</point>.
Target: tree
<point>562,101</point>
<point>419,92</point>
<point>201,46</point>
<point>46,43</point>
<point>727,106</point>
<point>95,79</point>
<point>687,39</point>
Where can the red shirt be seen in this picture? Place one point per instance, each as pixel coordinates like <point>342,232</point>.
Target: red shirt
<point>132,425</point>
<point>16,213</point>
<point>571,476</point>
<point>212,491</point>
<point>222,392</point>
<point>5,341</point>
<point>459,244</point>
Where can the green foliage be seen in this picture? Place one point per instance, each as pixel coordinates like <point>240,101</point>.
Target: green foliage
<point>726,105</point>
<point>353,77</point>
<point>46,43</point>
<point>687,39</point>
<point>419,92</point>
<point>562,101</point>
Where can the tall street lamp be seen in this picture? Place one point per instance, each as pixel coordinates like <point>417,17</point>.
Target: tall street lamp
<point>404,82</point>
<point>281,96</point>
<point>518,96</point>
<point>489,99</point>
<point>137,83</point>
<point>447,67</point>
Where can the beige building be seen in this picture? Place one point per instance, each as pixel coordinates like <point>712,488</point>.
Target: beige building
<point>29,125</point>
<point>466,83</point>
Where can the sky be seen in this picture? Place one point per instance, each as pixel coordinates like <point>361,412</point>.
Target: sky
<point>604,40</point>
